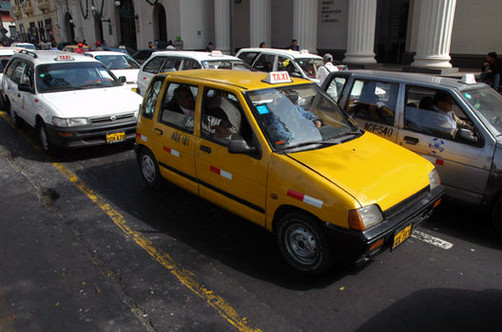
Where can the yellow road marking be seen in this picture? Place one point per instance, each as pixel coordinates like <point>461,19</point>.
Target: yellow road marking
<point>185,276</point>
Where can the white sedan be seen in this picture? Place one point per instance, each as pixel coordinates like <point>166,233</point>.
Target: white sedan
<point>121,65</point>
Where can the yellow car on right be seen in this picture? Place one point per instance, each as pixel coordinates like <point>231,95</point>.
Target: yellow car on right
<point>279,152</point>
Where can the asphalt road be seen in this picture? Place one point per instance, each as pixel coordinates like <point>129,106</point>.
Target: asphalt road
<point>85,246</point>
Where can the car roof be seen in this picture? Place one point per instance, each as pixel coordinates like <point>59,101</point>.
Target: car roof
<point>50,56</point>
<point>197,55</point>
<point>244,80</point>
<point>278,51</point>
<point>95,53</point>
<point>417,78</point>
<point>8,50</point>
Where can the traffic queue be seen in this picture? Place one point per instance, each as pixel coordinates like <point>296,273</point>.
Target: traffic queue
<point>303,161</point>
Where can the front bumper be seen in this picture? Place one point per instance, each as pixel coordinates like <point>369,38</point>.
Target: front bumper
<point>88,136</point>
<point>356,246</point>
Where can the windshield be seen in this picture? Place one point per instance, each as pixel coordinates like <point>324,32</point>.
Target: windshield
<point>222,64</point>
<point>74,76</point>
<point>300,115</point>
<point>309,66</point>
<point>118,61</point>
<point>488,103</point>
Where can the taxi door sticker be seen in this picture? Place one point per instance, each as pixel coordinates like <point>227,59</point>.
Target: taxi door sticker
<point>379,129</point>
<point>172,152</point>
<point>305,198</point>
<point>219,171</point>
<point>436,146</point>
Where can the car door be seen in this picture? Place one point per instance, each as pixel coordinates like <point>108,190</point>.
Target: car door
<point>236,181</point>
<point>174,134</point>
<point>373,104</point>
<point>463,164</point>
<point>28,102</point>
<point>12,79</point>
<point>149,69</point>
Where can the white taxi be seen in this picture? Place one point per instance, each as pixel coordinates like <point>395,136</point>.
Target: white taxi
<point>121,65</point>
<point>72,100</point>
<point>167,61</point>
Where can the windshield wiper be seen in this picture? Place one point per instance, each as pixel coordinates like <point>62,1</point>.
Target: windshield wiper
<point>299,145</point>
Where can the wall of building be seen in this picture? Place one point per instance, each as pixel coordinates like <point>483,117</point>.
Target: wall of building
<point>241,24</point>
<point>332,26</point>
<point>197,28</point>
<point>282,23</point>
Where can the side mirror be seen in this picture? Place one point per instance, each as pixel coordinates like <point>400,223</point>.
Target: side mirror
<point>25,88</point>
<point>239,145</point>
<point>467,135</point>
<point>122,79</point>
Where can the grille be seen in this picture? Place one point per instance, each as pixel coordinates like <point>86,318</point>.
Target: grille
<point>410,201</point>
<point>108,118</point>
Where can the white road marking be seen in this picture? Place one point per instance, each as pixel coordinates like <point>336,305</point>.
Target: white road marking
<point>431,240</point>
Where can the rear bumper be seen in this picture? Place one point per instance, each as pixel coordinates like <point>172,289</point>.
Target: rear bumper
<point>88,136</point>
<point>356,246</point>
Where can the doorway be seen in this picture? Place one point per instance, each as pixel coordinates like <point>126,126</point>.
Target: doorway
<point>391,29</point>
<point>160,25</point>
<point>127,24</point>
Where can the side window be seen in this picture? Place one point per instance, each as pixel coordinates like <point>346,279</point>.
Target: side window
<point>373,101</point>
<point>27,76</point>
<point>190,64</point>
<point>171,64</point>
<point>151,97</point>
<point>335,87</point>
<point>265,62</point>
<point>178,106</point>
<point>153,65</point>
<point>248,57</point>
<point>436,113</point>
<point>18,71</point>
<point>10,69</point>
<point>287,65</point>
<point>222,117</point>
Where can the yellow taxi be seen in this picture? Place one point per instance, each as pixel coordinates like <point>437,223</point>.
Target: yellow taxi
<point>279,152</point>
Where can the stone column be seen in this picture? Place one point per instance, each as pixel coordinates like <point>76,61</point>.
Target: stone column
<point>434,34</point>
<point>361,32</point>
<point>260,22</point>
<point>305,18</point>
<point>222,25</point>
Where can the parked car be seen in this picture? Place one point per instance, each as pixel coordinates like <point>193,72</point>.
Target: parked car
<point>296,63</point>
<point>400,107</point>
<point>121,65</point>
<point>28,46</point>
<point>279,152</point>
<point>6,54</point>
<point>71,100</point>
<point>165,61</point>
<point>142,55</point>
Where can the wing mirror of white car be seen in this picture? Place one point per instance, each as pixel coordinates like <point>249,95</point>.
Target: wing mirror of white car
<point>467,135</point>
<point>25,88</point>
<point>122,79</point>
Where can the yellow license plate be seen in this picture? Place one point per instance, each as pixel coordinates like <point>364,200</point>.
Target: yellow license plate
<point>115,137</point>
<point>401,236</point>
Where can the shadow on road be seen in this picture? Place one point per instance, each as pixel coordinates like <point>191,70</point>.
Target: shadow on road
<point>441,310</point>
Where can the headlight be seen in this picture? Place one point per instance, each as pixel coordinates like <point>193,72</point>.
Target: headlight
<point>70,122</point>
<point>434,179</point>
<point>365,217</point>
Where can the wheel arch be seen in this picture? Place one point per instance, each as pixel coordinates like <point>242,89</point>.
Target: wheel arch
<point>282,210</point>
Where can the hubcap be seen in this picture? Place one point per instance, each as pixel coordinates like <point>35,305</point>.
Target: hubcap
<point>148,168</point>
<point>301,243</point>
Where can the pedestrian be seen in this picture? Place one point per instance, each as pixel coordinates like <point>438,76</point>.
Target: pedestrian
<point>150,45</point>
<point>210,47</point>
<point>80,49</point>
<point>121,45</point>
<point>170,45</point>
<point>97,46</point>
<point>294,45</point>
<point>327,67</point>
<point>490,72</point>
<point>54,46</point>
<point>263,45</point>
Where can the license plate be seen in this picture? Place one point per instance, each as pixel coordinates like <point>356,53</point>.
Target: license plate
<point>401,236</point>
<point>115,137</point>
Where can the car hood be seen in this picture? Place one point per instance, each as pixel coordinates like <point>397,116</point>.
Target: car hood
<point>371,169</point>
<point>131,75</point>
<point>93,102</point>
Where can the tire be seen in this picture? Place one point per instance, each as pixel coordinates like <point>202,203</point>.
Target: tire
<point>17,122</point>
<point>303,243</point>
<point>497,215</point>
<point>150,172</point>
<point>45,142</point>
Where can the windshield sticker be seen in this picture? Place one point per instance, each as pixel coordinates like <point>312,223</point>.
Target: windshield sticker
<point>436,146</point>
<point>262,109</point>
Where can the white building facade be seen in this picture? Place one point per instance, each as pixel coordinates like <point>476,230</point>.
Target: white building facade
<point>420,33</point>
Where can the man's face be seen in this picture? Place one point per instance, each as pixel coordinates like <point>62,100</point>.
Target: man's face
<point>445,106</point>
<point>186,100</point>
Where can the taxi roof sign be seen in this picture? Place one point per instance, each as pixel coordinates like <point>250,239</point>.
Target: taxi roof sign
<point>304,51</point>
<point>468,79</point>
<point>275,77</point>
<point>216,53</point>
<point>64,57</point>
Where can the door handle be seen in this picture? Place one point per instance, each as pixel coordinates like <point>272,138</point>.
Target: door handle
<point>158,131</point>
<point>411,140</point>
<point>205,148</point>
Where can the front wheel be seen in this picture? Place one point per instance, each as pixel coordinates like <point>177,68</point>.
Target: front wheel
<point>149,169</point>
<point>497,215</point>
<point>303,243</point>
<point>45,142</point>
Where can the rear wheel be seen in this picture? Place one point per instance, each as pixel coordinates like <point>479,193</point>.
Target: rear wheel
<point>149,169</point>
<point>497,215</point>
<point>17,122</point>
<point>303,243</point>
